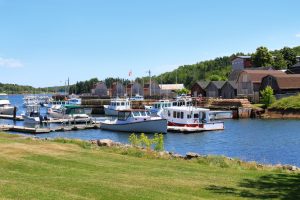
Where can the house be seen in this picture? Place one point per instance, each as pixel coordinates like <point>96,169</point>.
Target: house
<point>198,89</point>
<point>117,90</point>
<point>295,69</point>
<point>100,89</point>
<point>213,89</point>
<point>167,89</point>
<point>229,90</point>
<point>153,91</point>
<point>241,62</point>
<point>133,89</point>
<point>248,83</point>
<point>282,85</point>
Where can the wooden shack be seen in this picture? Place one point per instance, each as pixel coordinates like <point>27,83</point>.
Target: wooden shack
<point>213,89</point>
<point>229,90</point>
<point>198,89</point>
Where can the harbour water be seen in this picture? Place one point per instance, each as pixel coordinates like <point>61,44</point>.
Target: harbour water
<point>264,141</point>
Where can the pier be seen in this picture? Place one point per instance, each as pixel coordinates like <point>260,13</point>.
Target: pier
<point>39,130</point>
<point>12,117</point>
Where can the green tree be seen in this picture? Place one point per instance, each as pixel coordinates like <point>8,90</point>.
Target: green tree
<point>279,62</point>
<point>267,96</point>
<point>289,56</point>
<point>215,77</point>
<point>262,57</point>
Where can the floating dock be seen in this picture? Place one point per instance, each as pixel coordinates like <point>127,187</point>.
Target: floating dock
<point>11,117</point>
<point>24,129</point>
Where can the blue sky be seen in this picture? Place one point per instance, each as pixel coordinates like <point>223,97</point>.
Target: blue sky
<point>42,42</point>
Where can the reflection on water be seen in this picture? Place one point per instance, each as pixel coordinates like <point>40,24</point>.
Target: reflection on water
<point>266,141</point>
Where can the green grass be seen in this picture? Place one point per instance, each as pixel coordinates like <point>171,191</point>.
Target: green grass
<point>288,103</point>
<point>61,169</point>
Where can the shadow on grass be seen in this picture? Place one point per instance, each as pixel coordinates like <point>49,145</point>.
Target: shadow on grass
<point>279,186</point>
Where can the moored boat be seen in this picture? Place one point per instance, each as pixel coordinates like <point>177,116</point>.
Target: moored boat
<point>190,119</point>
<point>116,105</point>
<point>135,121</point>
<point>32,114</point>
<point>71,112</point>
<point>5,107</point>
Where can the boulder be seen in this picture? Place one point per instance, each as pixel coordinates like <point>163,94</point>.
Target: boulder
<point>93,141</point>
<point>191,155</point>
<point>105,143</point>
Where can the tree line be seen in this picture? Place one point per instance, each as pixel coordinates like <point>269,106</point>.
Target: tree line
<point>212,70</point>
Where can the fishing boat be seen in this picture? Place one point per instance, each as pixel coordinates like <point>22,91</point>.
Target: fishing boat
<point>190,119</point>
<point>136,121</point>
<point>137,97</point>
<point>72,112</point>
<point>32,114</point>
<point>116,105</point>
<point>158,107</point>
<point>5,107</point>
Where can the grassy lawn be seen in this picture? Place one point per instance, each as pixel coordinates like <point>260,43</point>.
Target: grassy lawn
<point>34,169</point>
<point>288,103</point>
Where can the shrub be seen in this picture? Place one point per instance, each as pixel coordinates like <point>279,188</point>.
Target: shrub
<point>267,96</point>
<point>144,141</point>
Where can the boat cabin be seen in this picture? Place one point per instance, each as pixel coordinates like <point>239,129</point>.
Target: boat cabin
<point>125,114</point>
<point>186,116</point>
<point>74,110</point>
<point>117,104</point>
<point>33,110</point>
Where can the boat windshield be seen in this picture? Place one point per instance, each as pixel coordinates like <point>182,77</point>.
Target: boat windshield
<point>75,111</point>
<point>136,113</point>
<point>123,115</point>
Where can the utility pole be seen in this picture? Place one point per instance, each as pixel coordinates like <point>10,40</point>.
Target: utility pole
<point>68,85</point>
<point>176,76</point>
<point>149,72</point>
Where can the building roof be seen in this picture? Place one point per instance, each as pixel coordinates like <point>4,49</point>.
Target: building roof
<point>243,57</point>
<point>233,84</point>
<point>218,84</point>
<point>203,84</point>
<point>257,75</point>
<point>171,86</point>
<point>288,81</point>
<point>234,75</point>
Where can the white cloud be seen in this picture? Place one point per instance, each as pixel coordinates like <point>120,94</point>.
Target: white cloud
<point>298,35</point>
<point>10,63</point>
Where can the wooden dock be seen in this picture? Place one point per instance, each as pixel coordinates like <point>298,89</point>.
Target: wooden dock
<point>11,117</point>
<point>24,129</point>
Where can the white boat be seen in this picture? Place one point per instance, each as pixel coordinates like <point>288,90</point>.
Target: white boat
<point>137,97</point>
<point>158,107</point>
<point>116,105</point>
<point>30,100</point>
<point>5,107</point>
<point>190,119</point>
<point>135,121</point>
<point>32,114</point>
<point>72,112</point>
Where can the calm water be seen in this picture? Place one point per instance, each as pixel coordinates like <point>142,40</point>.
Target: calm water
<point>265,141</point>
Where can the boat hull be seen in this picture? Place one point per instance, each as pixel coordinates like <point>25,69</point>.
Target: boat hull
<point>7,111</point>
<point>211,126</point>
<point>149,126</point>
<point>31,120</point>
